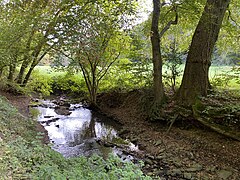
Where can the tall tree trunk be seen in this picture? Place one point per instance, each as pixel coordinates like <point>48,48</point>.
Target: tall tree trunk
<point>195,79</point>
<point>26,59</point>
<point>1,71</point>
<point>24,65</point>
<point>12,69</point>
<point>156,54</point>
<point>26,79</point>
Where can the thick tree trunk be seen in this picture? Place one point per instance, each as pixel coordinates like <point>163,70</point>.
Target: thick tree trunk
<point>195,79</point>
<point>156,54</point>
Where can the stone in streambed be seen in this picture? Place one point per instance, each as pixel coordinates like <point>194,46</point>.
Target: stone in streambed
<point>175,172</point>
<point>187,175</point>
<point>224,174</point>
<point>123,132</point>
<point>158,142</point>
<point>195,167</point>
<point>148,161</point>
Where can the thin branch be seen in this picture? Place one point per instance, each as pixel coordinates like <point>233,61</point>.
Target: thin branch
<point>170,23</point>
<point>106,70</point>
<point>231,18</point>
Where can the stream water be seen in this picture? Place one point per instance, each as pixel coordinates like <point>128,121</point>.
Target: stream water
<point>77,131</point>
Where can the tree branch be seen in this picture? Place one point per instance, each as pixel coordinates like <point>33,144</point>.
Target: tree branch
<point>170,23</point>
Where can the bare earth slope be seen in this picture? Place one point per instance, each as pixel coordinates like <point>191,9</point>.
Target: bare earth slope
<point>191,153</point>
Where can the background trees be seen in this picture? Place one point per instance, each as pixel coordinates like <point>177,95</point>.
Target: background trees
<point>90,36</point>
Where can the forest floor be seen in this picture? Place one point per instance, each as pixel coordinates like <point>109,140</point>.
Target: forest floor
<point>188,151</point>
<point>194,152</point>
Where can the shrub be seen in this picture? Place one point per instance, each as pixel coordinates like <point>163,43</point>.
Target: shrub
<point>41,83</point>
<point>69,84</point>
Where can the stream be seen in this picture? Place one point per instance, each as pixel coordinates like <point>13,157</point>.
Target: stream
<point>75,131</point>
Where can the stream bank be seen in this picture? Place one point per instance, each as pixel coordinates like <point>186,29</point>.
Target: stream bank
<point>192,152</point>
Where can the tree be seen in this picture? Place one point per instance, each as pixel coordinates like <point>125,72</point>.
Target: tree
<point>195,79</point>
<point>156,48</point>
<point>97,40</point>
<point>156,54</point>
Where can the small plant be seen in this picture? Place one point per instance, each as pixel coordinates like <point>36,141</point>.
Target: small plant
<point>173,64</point>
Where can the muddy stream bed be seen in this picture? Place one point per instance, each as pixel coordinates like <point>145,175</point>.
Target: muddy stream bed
<point>75,130</point>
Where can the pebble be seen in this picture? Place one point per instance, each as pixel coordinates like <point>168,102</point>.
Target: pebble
<point>197,166</point>
<point>175,172</point>
<point>150,156</point>
<point>161,151</point>
<point>148,161</point>
<point>160,157</point>
<point>187,175</point>
<point>177,162</point>
<point>157,143</point>
<point>224,174</point>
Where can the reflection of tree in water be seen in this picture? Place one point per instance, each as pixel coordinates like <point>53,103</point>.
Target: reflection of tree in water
<point>104,131</point>
<point>88,130</point>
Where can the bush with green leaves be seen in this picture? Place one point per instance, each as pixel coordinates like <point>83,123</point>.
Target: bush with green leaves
<point>41,83</point>
<point>69,84</point>
<point>127,75</point>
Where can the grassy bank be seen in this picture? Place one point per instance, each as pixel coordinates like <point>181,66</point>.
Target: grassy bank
<point>23,156</point>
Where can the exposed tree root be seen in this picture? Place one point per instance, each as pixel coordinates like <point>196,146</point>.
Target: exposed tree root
<point>215,127</point>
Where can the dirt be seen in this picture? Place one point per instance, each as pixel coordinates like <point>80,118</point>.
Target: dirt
<point>21,102</point>
<point>186,152</point>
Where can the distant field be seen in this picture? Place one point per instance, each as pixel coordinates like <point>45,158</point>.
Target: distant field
<point>48,70</point>
<point>215,71</point>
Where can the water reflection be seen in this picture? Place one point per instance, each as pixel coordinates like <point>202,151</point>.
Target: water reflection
<point>76,134</point>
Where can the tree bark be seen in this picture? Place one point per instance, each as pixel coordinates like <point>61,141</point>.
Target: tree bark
<point>1,71</point>
<point>24,65</point>
<point>195,79</point>
<point>12,68</point>
<point>25,81</point>
<point>156,54</point>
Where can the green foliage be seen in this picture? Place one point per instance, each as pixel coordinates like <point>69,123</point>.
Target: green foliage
<point>221,107</point>
<point>126,75</point>
<point>227,79</point>
<point>41,83</point>
<point>173,62</point>
<point>69,84</point>
<point>12,87</point>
